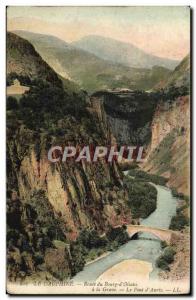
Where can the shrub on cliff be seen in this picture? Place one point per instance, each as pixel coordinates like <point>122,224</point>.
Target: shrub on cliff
<point>166,258</point>
<point>168,254</point>
<point>178,222</point>
<point>91,239</point>
<point>118,235</point>
<point>162,264</point>
<point>173,92</point>
<point>32,227</point>
<point>139,174</point>
<point>40,213</point>
<point>12,103</point>
<point>142,198</point>
<point>163,244</point>
<point>57,263</point>
<point>78,254</point>
<point>179,195</point>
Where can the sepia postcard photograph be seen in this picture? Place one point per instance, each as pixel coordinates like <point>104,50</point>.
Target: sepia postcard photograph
<point>98,150</point>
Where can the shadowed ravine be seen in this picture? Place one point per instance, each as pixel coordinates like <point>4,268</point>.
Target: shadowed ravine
<point>140,249</point>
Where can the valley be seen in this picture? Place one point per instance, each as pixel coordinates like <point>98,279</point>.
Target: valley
<point>93,72</point>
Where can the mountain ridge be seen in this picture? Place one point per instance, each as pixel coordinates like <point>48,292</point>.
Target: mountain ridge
<point>89,71</point>
<point>122,52</point>
<point>18,60</point>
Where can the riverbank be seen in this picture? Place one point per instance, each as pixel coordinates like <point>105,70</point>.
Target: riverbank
<point>128,270</point>
<point>97,258</point>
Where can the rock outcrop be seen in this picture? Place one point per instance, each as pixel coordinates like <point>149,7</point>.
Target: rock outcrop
<point>129,114</point>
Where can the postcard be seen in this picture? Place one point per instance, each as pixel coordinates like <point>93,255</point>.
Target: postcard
<point>98,150</point>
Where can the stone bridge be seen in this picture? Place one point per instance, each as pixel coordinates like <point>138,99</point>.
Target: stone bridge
<point>162,234</point>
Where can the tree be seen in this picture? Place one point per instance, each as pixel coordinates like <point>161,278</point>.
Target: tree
<point>168,254</point>
<point>162,264</point>
<point>12,103</point>
<point>78,257</point>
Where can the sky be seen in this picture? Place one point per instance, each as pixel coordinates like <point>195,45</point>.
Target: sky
<point>162,31</point>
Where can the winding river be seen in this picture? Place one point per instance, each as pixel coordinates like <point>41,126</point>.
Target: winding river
<point>142,249</point>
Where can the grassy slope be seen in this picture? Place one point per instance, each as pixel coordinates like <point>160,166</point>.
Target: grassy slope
<point>180,76</point>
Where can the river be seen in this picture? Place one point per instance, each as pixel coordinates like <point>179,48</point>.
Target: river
<point>142,249</point>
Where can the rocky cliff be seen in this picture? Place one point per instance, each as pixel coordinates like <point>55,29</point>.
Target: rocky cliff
<point>169,149</point>
<point>158,120</point>
<point>129,114</point>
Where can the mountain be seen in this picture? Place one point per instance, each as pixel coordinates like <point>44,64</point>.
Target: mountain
<point>89,71</point>
<point>123,53</point>
<point>49,204</point>
<point>24,60</point>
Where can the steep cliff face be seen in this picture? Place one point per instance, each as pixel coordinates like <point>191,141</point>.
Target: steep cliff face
<point>76,190</point>
<point>129,114</point>
<point>169,150</point>
<point>170,146</point>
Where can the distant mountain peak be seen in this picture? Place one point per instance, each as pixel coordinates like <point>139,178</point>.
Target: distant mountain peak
<point>122,52</point>
<point>42,38</point>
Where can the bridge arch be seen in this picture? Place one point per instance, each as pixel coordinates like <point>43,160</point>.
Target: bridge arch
<point>134,235</point>
<point>162,234</point>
